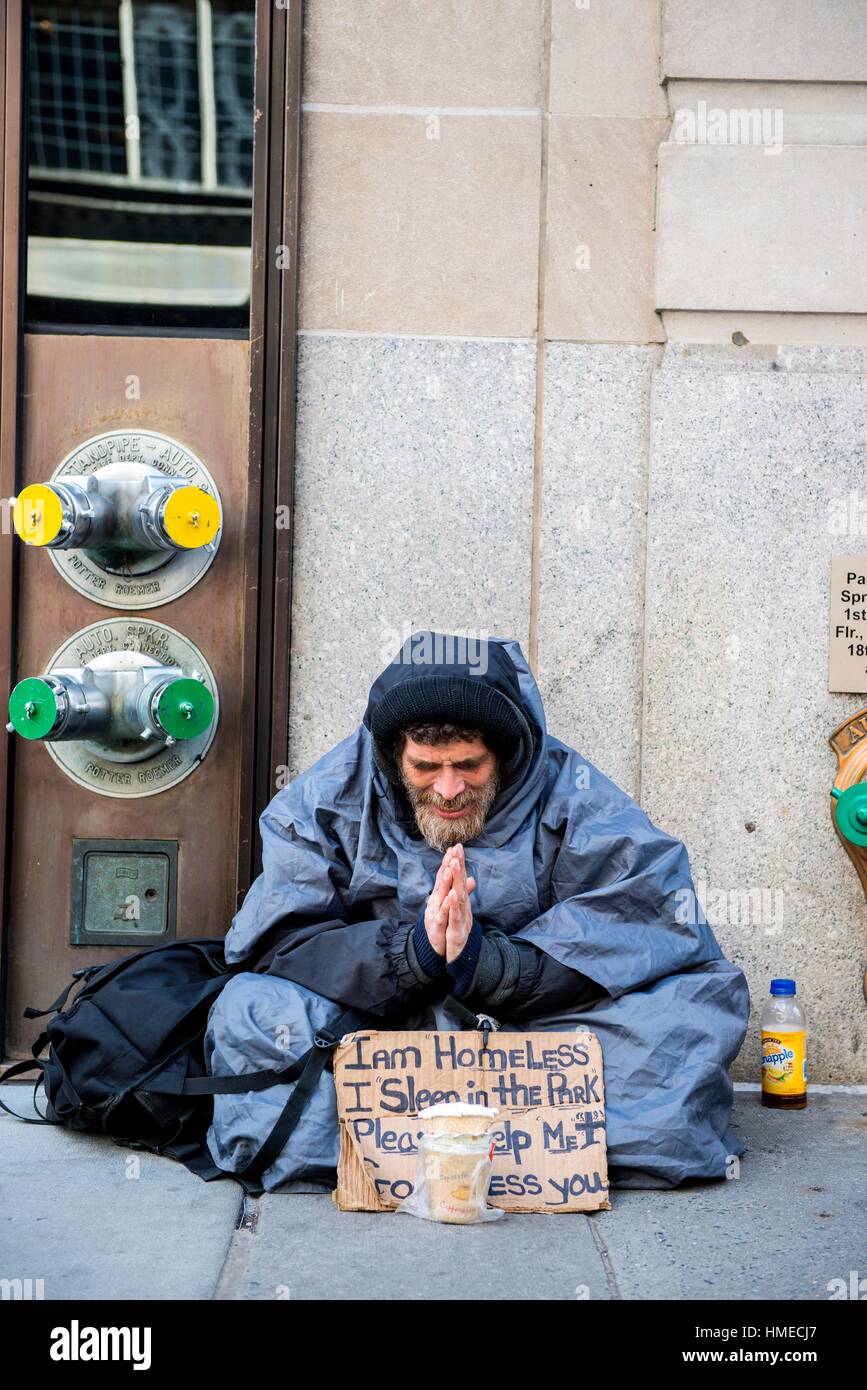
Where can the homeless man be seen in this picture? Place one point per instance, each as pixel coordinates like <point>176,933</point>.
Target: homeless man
<point>451,855</point>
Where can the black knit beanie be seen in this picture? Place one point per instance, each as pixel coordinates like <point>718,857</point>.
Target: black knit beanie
<point>484,695</point>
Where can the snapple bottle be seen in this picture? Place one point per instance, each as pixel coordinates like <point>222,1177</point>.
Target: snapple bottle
<point>784,1049</point>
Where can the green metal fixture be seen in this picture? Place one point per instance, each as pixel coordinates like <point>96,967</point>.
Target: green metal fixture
<point>851,812</point>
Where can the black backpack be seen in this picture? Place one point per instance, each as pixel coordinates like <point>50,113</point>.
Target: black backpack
<point>127,1058</point>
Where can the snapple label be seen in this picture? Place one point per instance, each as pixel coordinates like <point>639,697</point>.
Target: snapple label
<point>784,1062</point>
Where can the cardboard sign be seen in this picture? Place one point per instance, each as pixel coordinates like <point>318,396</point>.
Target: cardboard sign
<point>549,1137</point>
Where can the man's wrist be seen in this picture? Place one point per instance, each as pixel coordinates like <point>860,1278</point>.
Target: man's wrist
<point>496,972</point>
<point>463,967</point>
<point>429,962</point>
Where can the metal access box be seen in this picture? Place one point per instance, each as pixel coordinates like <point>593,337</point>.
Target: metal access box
<point>123,892</point>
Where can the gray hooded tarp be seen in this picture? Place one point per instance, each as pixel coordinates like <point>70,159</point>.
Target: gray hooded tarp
<point>568,868</point>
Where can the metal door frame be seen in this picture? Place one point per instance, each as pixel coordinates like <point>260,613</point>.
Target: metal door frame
<point>11,346</point>
<point>273,311</point>
<point>273,352</point>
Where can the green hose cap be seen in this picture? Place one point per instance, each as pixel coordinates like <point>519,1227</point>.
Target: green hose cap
<point>185,708</point>
<point>33,707</point>
<point>851,812</point>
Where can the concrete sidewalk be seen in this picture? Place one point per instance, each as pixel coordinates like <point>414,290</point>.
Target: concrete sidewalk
<point>94,1220</point>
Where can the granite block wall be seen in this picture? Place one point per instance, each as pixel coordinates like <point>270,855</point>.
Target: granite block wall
<point>575,370</point>
<point>753,463</point>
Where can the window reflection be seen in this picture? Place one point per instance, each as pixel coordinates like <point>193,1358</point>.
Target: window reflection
<point>140,163</point>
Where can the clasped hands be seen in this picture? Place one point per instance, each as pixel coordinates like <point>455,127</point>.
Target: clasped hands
<point>448,918</point>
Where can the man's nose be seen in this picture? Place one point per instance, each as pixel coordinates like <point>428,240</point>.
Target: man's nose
<point>449,784</point>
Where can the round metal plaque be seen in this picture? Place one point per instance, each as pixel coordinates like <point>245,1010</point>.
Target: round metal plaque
<point>143,580</point>
<point>130,772</point>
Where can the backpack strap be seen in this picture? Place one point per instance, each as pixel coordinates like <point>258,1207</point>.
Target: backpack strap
<point>478,1023</point>
<point>231,1084</point>
<point>305,1071</point>
<point>314,1063</point>
<point>83,974</point>
<point>15,1070</point>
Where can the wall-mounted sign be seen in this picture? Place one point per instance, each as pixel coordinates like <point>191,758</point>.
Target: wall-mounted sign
<point>847,647</point>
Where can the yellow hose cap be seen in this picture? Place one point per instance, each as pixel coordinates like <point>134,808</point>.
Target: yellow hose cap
<point>37,514</point>
<point>191,517</point>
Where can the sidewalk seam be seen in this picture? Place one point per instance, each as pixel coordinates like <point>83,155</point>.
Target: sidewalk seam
<point>605,1257</point>
<point>238,1251</point>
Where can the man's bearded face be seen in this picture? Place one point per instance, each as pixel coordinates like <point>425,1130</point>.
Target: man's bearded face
<point>451,787</point>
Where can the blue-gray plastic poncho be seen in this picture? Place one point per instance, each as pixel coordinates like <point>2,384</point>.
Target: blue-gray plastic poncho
<point>567,861</point>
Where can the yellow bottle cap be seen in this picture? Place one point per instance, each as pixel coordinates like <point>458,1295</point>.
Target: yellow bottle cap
<point>191,517</point>
<point>37,514</point>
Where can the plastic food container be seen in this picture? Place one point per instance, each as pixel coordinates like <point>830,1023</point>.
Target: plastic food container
<point>453,1169</point>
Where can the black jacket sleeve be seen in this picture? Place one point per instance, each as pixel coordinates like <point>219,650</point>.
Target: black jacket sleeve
<point>364,965</point>
<point>517,980</point>
<point>373,965</point>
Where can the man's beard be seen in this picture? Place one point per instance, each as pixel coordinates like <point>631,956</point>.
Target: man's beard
<point>441,833</point>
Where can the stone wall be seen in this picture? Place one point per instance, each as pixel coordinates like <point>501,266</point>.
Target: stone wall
<point>583,296</point>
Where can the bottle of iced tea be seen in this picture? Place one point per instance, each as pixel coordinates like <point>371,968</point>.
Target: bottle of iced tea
<point>784,1049</point>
